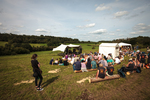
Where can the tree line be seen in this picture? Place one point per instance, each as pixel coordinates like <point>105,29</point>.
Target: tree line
<point>141,41</point>
<point>20,44</point>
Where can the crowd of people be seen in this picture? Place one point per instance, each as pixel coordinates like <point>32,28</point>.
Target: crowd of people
<point>104,64</point>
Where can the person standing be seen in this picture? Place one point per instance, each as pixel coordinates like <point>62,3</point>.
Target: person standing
<point>37,72</point>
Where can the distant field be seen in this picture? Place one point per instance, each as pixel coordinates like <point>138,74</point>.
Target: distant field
<point>35,45</point>
<point>2,43</point>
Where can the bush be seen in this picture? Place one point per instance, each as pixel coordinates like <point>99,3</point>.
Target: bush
<point>93,47</point>
<point>20,50</point>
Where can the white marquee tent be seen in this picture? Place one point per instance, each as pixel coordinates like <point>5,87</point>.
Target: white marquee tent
<point>106,48</point>
<point>63,47</point>
<point>125,44</point>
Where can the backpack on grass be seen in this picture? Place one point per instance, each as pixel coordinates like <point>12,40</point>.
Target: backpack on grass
<point>121,73</point>
<point>138,70</point>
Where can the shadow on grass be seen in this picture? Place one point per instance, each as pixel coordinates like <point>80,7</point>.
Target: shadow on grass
<point>49,81</point>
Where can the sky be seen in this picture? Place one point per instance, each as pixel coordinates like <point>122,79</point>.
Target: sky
<point>86,20</point>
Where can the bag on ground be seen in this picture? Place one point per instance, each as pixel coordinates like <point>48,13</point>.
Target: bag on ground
<point>138,70</point>
<point>121,73</point>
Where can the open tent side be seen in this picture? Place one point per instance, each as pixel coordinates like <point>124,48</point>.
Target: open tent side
<point>125,44</point>
<point>106,48</point>
<point>63,47</point>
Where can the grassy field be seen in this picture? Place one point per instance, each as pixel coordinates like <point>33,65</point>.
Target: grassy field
<point>2,43</point>
<point>35,45</point>
<point>63,85</point>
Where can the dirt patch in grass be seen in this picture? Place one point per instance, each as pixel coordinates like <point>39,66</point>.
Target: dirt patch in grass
<point>86,95</point>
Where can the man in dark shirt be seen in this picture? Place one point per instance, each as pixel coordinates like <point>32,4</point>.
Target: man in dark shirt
<point>110,70</point>
<point>51,61</point>
<point>101,71</point>
<point>77,65</point>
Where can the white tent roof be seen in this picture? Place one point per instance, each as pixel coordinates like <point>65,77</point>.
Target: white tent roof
<point>124,44</point>
<point>62,47</point>
<point>109,44</point>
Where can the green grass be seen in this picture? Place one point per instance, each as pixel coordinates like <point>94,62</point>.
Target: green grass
<point>35,44</point>
<point>63,85</point>
<point>2,43</point>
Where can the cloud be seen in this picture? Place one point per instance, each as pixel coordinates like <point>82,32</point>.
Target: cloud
<point>121,14</point>
<point>118,30</point>
<point>0,24</point>
<point>100,31</point>
<point>137,33</point>
<point>132,16</point>
<point>102,7</point>
<point>90,25</point>
<point>141,26</point>
<point>41,30</point>
<point>87,26</point>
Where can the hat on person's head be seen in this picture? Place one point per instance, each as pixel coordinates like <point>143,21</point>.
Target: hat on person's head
<point>138,51</point>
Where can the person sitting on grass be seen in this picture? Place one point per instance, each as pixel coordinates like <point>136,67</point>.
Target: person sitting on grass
<point>148,60</point>
<point>110,69</point>
<point>83,66</point>
<point>60,61</point>
<point>77,65</point>
<point>101,72</point>
<point>117,60</point>
<point>142,59</point>
<point>51,61</point>
<point>56,62</point>
<point>103,61</point>
<point>93,64</point>
<point>130,66</point>
<point>88,65</point>
<point>110,60</point>
<point>66,62</point>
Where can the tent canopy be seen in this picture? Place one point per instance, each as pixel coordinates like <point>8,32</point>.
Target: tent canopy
<point>63,47</point>
<point>106,48</point>
<point>124,44</point>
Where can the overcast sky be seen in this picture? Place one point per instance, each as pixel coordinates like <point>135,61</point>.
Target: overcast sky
<point>86,20</point>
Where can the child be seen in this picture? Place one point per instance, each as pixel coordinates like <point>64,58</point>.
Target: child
<point>83,66</point>
<point>110,69</point>
<point>101,72</point>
